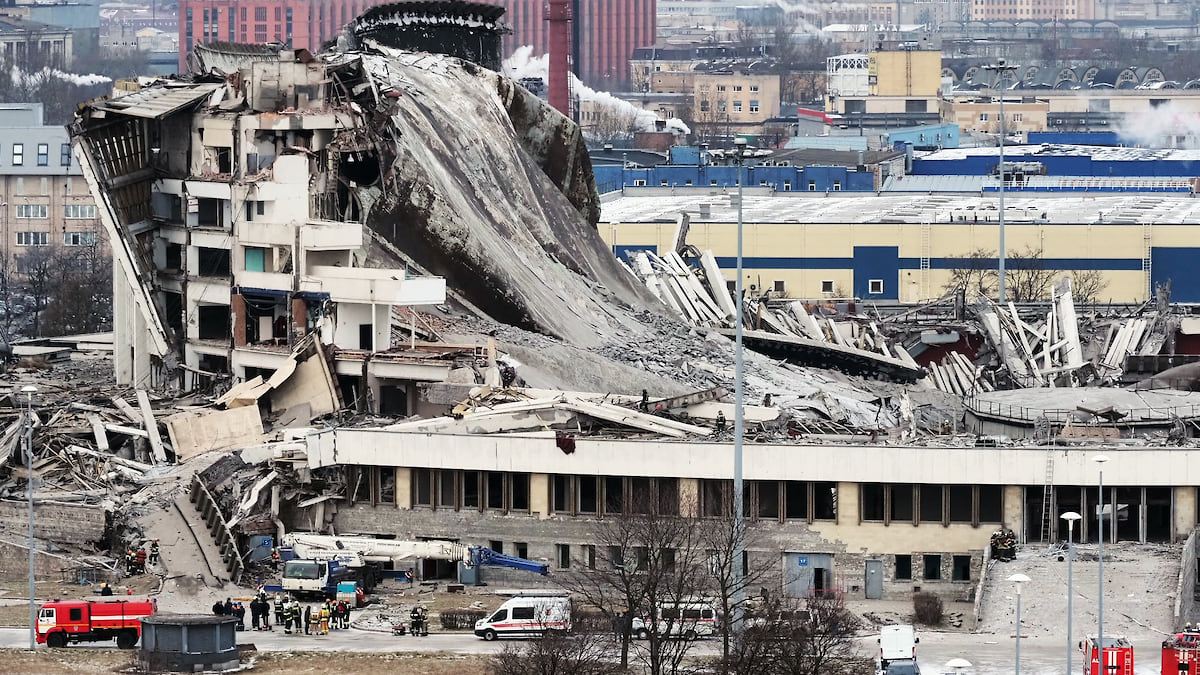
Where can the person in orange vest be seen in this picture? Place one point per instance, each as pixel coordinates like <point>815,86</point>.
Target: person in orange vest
<point>325,618</point>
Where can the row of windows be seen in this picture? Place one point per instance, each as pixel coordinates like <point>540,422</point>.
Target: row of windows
<point>705,106</point>
<point>915,504</point>
<point>772,499</point>
<point>738,87</point>
<point>595,495</point>
<point>454,489</point>
<point>931,567</point>
<point>43,154</point>
<point>43,238</point>
<point>70,211</point>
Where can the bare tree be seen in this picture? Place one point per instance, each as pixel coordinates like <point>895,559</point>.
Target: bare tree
<point>41,266</point>
<point>1028,279</point>
<point>79,296</point>
<point>721,536</point>
<point>1087,285</point>
<point>975,276</point>
<point>644,560</point>
<point>556,654</point>
<point>786,637</point>
<point>610,124</point>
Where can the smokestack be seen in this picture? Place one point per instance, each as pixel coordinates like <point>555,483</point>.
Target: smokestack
<point>559,16</point>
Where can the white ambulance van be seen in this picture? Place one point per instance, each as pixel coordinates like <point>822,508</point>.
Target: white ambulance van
<point>526,615</point>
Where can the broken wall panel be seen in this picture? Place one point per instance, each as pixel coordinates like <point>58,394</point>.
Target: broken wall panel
<point>194,433</point>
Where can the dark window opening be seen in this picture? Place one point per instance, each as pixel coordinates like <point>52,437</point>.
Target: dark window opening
<point>362,484</point>
<point>991,504</point>
<point>174,259</point>
<point>446,493</point>
<point>422,487</point>
<point>387,485</point>
<point>562,553</point>
<point>1158,514</point>
<point>213,262</point>
<point>960,503</point>
<point>522,549</point>
<point>901,506</point>
<point>495,490</point>
<point>560,493</point>
<point>639,495</point>
<point>962,568</point>
<point>795,500</point>
<point>470,489</point>
<point>173,308</point>
<point>496,545</point>
<point>933,566</point>
<point>872,501</point>
<point>931,503</point>
<point>668,496</point>
<point>519,484</point>
<point>75,614</point>
<point>587,494</point>
<point>211,212</point>
<point>768,499</point>
<point>214,322</point>
<point>614,494</point>
<point>714,498</point>
<point>824,501</point>
<point>903,568</point>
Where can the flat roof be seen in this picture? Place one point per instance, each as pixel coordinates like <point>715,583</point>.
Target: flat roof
<point>657,204</point>
<point>1098,153</point>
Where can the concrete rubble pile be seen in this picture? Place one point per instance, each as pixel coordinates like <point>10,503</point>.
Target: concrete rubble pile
<point>694,288</point>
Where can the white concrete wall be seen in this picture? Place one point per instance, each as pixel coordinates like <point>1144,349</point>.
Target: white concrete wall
<point>349,317</point>
<point>536,452</point>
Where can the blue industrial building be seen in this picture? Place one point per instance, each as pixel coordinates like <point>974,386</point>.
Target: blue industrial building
<point>1064,160</point>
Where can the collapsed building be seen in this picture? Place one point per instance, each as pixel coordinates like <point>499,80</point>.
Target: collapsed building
<point>384,267</point>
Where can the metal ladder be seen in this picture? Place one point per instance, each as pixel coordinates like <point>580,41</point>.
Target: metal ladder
<point>1046,494</point>
<point>926,243</point>
<point>1148,249</point>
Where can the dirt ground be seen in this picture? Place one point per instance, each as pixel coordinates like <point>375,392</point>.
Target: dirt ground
<point>73,661</point>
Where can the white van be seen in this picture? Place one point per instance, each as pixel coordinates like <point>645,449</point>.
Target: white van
<point>526,616</point>
<point>896,643</point>
<point>689,620</point>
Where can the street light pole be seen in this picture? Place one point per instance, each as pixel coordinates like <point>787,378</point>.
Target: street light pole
<point>29,390</point>
<point>739,520</point>
<point>1100,459</point>
<point>1070,517</point>
<point>1001,67</point>
<point>1018,579</point>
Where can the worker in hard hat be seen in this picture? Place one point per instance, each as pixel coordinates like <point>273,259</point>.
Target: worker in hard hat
<point>154,552</point>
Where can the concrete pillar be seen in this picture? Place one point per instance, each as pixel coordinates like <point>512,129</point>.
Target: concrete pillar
<point>539,494</point>
<point>689,497</point>
<point>1183,512</point>
<point>237,307</point>
<point>847,504</point>
<point>1014,512</point>
<point>299,317</point>
<point>403,487</point>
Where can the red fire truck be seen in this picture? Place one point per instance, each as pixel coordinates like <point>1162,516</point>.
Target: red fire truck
<point>64,621</point>
<point>1118,656</point>
<point>1181,654</point>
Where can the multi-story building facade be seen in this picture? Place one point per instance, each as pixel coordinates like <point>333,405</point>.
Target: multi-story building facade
<point>733,102</point>
<point>33,42</point>
<point>45,203</point>
<point>1032,10</point>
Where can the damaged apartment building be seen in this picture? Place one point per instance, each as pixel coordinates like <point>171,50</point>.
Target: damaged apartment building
<point>283,221</point>
<point>236,212</point>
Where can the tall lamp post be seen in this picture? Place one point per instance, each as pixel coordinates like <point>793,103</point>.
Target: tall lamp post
<point>29,391</point>
<point>1001,67</point>
<point>1100,459</point>
<point>738,416</point>
<point>1071,517</point>
<point>1018,579</point>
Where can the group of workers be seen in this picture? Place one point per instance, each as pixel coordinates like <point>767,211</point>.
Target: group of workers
<point>288,613</point>
<point>137,557</point>
<point>1004,544</point>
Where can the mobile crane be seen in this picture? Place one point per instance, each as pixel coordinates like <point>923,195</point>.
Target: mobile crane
<point>315,563</point>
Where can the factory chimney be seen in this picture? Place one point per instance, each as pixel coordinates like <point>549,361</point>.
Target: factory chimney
<point>559,17</point>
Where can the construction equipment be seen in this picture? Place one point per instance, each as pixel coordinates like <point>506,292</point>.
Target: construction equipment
<point>315,563</point>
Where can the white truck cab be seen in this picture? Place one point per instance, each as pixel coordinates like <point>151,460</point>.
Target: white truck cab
<point>897,644</point>
<point>526,616</point>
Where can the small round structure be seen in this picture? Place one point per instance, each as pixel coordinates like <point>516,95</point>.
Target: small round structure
<point>188,643</point>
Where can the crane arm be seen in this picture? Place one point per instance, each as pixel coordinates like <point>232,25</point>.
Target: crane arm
<point>486,556</point>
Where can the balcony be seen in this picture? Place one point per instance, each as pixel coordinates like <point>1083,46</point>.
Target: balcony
<point>376,286</point>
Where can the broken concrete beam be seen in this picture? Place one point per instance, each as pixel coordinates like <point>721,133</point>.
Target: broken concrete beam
<point>128,431</point>
<point>193,433</point>
<point>156,445</point>
<point>127,410</point>
<point>98,431</point>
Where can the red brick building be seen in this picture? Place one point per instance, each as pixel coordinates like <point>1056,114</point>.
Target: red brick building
<point>605,32</point>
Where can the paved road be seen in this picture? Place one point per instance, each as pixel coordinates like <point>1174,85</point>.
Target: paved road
<point>989,654</point>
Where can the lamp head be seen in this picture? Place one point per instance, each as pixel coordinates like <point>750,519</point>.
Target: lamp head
<point>29,389</point>
<point>1018,579</point>
<point>1071,517</point>
<point>1100,459</point>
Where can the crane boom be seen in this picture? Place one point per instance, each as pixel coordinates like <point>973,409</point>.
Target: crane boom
<point>375,550</point>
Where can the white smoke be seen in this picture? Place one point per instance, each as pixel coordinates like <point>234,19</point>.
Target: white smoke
<point>35,78</point>
<point>1167,126</point>
<point>524,64</point>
